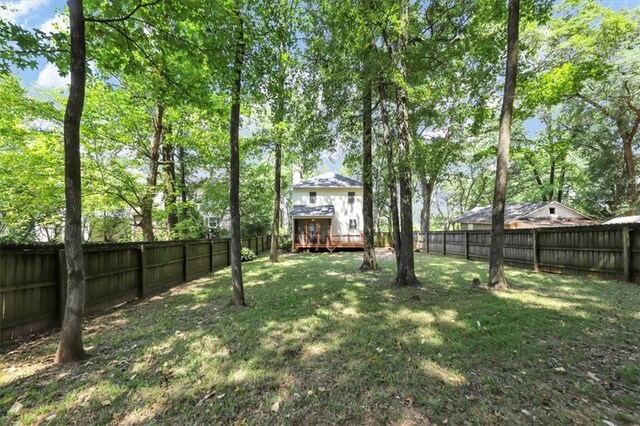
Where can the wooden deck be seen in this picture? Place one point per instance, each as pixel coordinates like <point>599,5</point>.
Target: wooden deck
<point>329,242</point>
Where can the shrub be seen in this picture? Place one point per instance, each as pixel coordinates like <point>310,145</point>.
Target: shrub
<point>286,245</point>
<point>246,254</point>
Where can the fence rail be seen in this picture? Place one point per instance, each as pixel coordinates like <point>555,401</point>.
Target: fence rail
<point>33,279</point>
<point>608,251</point>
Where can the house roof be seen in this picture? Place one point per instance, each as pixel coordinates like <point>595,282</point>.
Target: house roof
<point>329,180</point>
<point>312,211</point>
<point>512,212</point>
<point>623,219</point>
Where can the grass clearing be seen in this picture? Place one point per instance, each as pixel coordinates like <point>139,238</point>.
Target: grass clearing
<point>322,343</point>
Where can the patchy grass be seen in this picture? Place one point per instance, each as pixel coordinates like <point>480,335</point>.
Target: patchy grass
<point>321,343</point>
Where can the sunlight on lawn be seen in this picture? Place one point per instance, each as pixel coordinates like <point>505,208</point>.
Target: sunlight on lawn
<point>330,345</point>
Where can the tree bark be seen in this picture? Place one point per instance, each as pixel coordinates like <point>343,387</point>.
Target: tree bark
<point>170,203</point>
<point>237,294</point>
<point>629,166</point>
<point>392,185</point>
<point>146,223</point>
<point>70,347</point>
<point>497,278</point>
<point>277,184</point>
<point>369,262</point>
<point>406,274</point>
<point>425,215</point>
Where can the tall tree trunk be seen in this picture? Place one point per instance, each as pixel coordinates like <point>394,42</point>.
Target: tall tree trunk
<point>392,185</point>
<point>552,180</point>
<point>277,184</point>
<point>497,278</point>
<point>146,223</point>
<point>629,166</point>
<point>406,274</point>
<point>237,295</point>
<point>425,214</point>
<point>70,347</point>
<point>369,262</point>
<point>170,203</point>
<point>561,180</point>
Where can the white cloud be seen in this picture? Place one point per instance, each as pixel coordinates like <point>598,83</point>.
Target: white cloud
<point>17,11</point>
<point>49,77</point>
<point>55,24</point>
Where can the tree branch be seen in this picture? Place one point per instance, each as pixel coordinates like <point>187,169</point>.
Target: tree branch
<point>125,17</point>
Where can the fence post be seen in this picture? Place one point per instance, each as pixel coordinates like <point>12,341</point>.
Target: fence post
<point>626,253</point>
<point>228,251</point>
<point>444,243</point>
<point>536,252</point>
<point>185,264</point>
<point>427,241</point>
<point>466,245</point>
<point>211,260</point>
<point>143,268</point>
<point>62,284</point>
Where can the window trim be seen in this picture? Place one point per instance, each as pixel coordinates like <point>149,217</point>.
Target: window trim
<point>313,197</point>
<point>351,197</point>
<point>353,224</point>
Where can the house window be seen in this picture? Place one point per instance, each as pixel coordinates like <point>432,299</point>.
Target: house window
<point>312,197</point>
<point>352,197</point>
<point>353,224</point>
<point>552,210</point>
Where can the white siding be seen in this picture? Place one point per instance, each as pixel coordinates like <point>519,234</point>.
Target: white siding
<point>338,197</point>
<point>561,212</point>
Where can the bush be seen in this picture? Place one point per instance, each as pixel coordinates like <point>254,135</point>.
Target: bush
<point>246,254</point>
<point>286,245</point>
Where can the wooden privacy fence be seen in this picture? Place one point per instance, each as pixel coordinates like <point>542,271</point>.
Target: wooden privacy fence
<point>608,251</point>
<point>33,279</point>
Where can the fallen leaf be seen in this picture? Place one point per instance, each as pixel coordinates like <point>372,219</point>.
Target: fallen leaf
<point>560,369</point>
<point>321,389</point>
<point>106,402</point>
<point>478,322</point>
<point>309,392</point>
<point>221,396</point>
<point>275,407</point>
<point>204,398</point>
<point>593,376</point>
<point>15,409</point>
<point>525,412</point>
<point>608,423</point>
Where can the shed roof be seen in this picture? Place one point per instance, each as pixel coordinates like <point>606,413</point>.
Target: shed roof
<point>312,211</point>
<point>512,212</point>
<point>623,219</point>
<point>329,180</point>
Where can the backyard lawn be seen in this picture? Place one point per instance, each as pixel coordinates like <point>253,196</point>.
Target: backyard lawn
<point>321,343</point>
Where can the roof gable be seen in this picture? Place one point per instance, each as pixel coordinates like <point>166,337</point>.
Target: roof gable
<point>512,212</point>
<point>329,180</point>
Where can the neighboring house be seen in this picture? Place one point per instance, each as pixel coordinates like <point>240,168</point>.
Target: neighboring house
<point>623,220</point>
<point>530,215</point>
<point>327,213</point>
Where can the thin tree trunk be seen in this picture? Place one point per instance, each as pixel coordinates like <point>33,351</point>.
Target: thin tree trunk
<point>392,185</point>
<point>237,295</point>
<point>277,184</point>
<point>497,278</point>
<point>561,180</point>
<point>170,203</point>
<point>425,214</point>
<point>406,274</point>
<point>552,180</point>
<point>70,347</point>
<point>629,166</point>
<point>369,262</point>
<point>146,223</point>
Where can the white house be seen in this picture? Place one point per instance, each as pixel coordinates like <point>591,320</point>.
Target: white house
<point>327,213</point>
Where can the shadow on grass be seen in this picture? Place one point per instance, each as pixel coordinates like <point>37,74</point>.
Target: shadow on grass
<point>330,345</point>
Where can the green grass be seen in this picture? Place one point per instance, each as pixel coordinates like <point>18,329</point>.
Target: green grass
<point>325,344</point>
